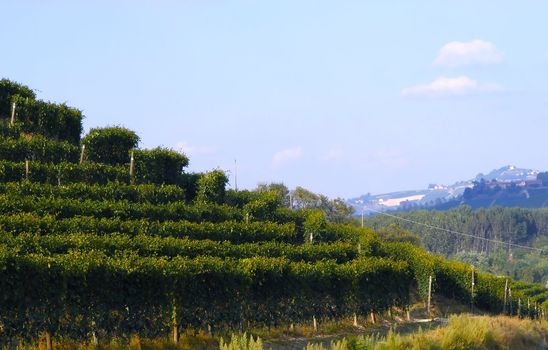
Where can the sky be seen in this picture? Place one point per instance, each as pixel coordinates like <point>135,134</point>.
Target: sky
<point>340,97</point>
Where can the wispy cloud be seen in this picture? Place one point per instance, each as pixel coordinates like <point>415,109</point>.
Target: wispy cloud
<point>458,53</point>
<point>287,155</point>
<point>444,86</point>
<point>193,150</point>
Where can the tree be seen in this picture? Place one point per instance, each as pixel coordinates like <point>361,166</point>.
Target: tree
<point>281,190</point>
<point>211,187</point>
<point>305,199</point>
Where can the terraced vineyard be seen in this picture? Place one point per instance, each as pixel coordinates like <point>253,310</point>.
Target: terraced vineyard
<point>92,245</point>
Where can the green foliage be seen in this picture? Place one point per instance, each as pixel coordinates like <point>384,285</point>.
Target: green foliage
<point>281,191</point>
<point>10,131</point>
<point>263,207</point>
<point>110,145</point>
<point>64,173</point>
<point>37,148</point>
<point>56,121</point>
<point>230,231</point>
<point>241,342</point>
<point>394,233</point>
<point>8,89</point>
<point>315,226</point>
<point>211,187</point>
<point>110,192</point>
<point>159,166</point>
<point>515,225</point>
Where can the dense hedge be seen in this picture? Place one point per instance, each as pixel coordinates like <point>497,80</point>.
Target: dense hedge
<point>79,292</point>
<point>145,245</point>
<point>159,166</point>
<point>67,208</point>
<point>110,145</point>
<point>8,130</point>
<point>232,231</point>
<point>63,173</point>
<point>109,192</point>
<point>37,148</point>
<point>56,121</point>
<point>8,89</point>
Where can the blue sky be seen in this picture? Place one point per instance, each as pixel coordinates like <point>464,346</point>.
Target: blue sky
<point>341,97</point>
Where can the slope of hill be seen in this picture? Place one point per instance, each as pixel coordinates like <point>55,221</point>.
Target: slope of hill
<point>449,196</point>
<point>102,239</point>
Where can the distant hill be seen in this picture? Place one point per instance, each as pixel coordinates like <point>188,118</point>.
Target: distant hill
<point>439,196</point>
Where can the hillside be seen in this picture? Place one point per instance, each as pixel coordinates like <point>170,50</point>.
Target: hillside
<point>100,239</point>
<point>525,193</point>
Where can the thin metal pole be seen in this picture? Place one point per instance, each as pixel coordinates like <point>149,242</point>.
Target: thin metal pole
<point>235,175</point>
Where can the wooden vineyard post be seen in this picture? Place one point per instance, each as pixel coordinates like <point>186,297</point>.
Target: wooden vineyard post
<point>12,121</point>
<point>355,320</point>
<point>519,307</point>
<point>505,296</point>
<point>372,317</point>
<point>408,314</point>
<point>472,292</point>
<point>131,169</point>
<point>82,153</point>
<point>429,295</point>
<point>26,168</point>
<point>175,324</point>
<point>315,323</point>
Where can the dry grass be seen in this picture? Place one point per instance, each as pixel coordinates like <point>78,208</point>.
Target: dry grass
<point>470,332</point>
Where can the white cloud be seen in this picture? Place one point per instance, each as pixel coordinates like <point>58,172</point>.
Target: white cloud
<point>444,86</point>
<point>458,53</point>
<point>193,150</point>
<point>287,155</point>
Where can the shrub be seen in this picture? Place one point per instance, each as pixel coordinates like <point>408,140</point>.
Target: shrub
<point>8,89</point>
<point>211,187</point>
<point>110,145</point>
<point>159,166</point>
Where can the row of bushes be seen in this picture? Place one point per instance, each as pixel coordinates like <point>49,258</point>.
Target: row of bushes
<point>147,170</point>
<point>232,231</point>
<point>454,280</point>
<point>56,121</point>
<point>76,293</point>
<point>63,173</point>
<point>37,148</point>
<point>145,245</point>
<point>109,192</point>
<point>67,208</point>
<point>8,89</point>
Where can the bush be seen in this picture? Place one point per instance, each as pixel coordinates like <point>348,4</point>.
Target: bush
<point>37,148</point>
<point>211,187</point>
<point>110,145</point>
<point>159,166</point>
<point>315,226</point>
<point>8,89</point>
<point>63,173</point>
<point>56,121</point>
